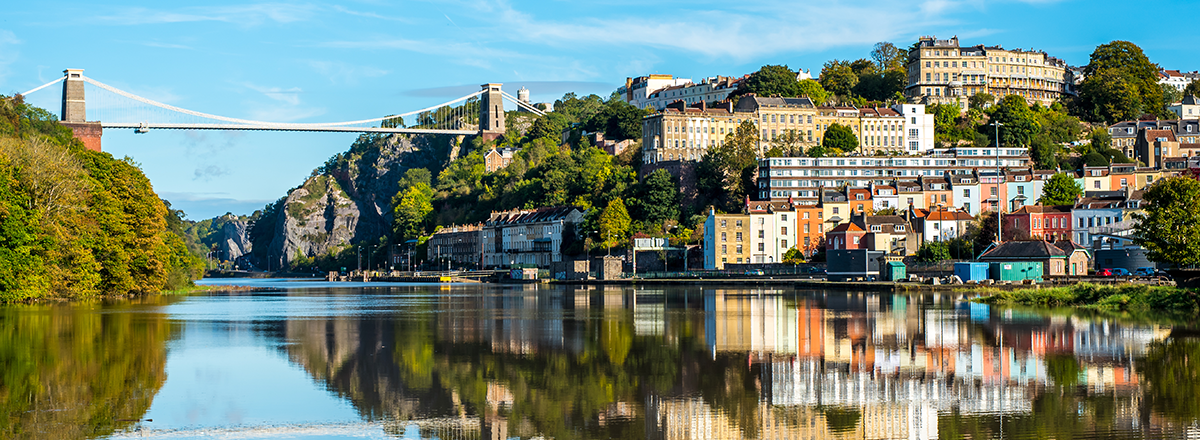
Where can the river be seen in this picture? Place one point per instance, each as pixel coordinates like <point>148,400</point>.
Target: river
<point>317,360</point>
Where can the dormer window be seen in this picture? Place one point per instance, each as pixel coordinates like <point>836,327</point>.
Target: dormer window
<point>899,228</point>
<point>876,228</point>
<point>858,197</point>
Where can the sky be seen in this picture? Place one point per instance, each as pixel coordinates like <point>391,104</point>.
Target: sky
<point>338,61</point>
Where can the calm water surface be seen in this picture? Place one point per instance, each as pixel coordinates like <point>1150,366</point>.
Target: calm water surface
<point>322,361</point>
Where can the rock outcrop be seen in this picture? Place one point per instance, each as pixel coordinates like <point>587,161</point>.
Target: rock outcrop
<point>348,200</point>
<point>235,241</point>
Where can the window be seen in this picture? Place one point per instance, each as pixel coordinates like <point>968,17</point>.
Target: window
<point>724,249</point>
<point>1021,190</point>
<point>739,250</point>
<point>783,217</point>
<point>783,243</point>
<point>966,193</point>
<point>761,247</point>
<point>783,230</point>
<point>806,228</point>
<point>723,236</point>
<point>762,233</point>
<point>1096,184</point>
<point>856,240</point>
<point>739,223</point>
<point>722,223</point>
<point>805,216</point>
<point>738,236</point>
<point>835,210</point>
<point>876,228</point>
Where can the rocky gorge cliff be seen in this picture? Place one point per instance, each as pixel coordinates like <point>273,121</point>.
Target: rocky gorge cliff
<point>347,200</point>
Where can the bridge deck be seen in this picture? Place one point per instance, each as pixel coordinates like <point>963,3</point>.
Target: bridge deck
<point>156,126</point>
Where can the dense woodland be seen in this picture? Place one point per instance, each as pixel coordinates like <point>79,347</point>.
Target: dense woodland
<point>76,223</point>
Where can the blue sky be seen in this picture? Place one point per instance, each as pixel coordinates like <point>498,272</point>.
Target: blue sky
<point>323,62</point>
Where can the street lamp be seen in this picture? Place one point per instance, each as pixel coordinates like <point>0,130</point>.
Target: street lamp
<point>370,254</point>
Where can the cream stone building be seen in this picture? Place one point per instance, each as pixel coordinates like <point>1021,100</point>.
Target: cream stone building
<point>942,71</point>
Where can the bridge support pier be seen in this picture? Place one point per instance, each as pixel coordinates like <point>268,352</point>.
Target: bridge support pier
<point>74,111</point>
<point>491,112</point>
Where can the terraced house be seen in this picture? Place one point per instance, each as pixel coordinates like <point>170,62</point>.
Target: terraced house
<point>945,72</point>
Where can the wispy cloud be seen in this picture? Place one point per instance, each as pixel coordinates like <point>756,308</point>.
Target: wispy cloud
<point>246,15</point>
<point>374,15</point>
<point>290,96</point>
<point>343,73</point>
<point>209,173</point>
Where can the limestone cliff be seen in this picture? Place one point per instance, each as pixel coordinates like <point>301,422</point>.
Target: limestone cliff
<point>234,242</point>
<point>348,199</point>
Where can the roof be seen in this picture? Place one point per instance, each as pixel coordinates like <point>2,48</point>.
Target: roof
<point>532,216</point>
<point>1024,250</point>
<point>1039,209</point>
<point>948,215</point>
<point>847,227</point>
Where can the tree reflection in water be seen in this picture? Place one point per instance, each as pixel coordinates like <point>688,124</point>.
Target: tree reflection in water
<point>78,371</point>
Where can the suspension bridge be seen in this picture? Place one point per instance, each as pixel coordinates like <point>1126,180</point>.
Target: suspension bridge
<point>479,113</point>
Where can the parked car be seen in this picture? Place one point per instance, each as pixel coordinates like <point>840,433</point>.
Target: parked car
<point>816,270</point>
<point>1144,272</point>
<point>1104,273</point>
<point>1119,272</point>
<point>755,272</point>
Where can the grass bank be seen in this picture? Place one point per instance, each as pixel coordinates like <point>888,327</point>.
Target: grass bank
<point>198,289</point>
<point>1122,298</point>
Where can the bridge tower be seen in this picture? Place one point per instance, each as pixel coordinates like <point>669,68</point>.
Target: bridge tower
<point>74,111</point>
<point>491,112</point>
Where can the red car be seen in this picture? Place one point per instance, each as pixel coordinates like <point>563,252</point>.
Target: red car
<point>1104,273</point>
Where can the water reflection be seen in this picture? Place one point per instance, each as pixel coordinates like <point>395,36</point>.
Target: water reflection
<point>561,362</point>
<point>623,363</point>
<point>76,371</point>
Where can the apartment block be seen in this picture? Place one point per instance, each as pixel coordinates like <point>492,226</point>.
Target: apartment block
<point>945,72</point>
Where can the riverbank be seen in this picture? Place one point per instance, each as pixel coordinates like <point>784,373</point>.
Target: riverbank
<point>1120,298</point>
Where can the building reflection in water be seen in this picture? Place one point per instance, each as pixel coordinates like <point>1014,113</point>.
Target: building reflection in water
<point>681,363</point>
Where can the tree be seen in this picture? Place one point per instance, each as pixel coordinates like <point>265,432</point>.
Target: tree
<point>1061,189</point>
<point>793,256</point>
<point>1044,153</point>
<point>933,251</point>
<point>1094,159</point>
<point>840,137</point>
<point>614,223</point>
<point>1169,229</point>
<point>1192,89</point>
<point>789,143</point>
<point>1170,94</point>
<point>1120,83</point>
<point>838,77</point>
<point>888,57</point>
<point>1100,139</point>
<point>771,80</point>
<point>1059,127</point>
<point>1018,122</point>
<point>657,198</point>
<point>725,174</point>
<point>411,214</point>
<point>980,101</point>
<point>813,90</point>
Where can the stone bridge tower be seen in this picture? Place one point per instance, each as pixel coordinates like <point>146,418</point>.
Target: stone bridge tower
<point>491,112</point>
<point>74,111</point>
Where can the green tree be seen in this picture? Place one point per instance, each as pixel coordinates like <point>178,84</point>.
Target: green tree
<point>1019,123</point>
<point>1192,89</point>
<point>888,57</point>
<point>1094,159</point>
<point>725,174</point>
<point>788,143</point>
<point>1171,377</point>
<point>614,223</point>
<point>840,137</point>
<point>1061,189</point>
<point>793,256</point>
<point>1059,127</point>
<point>656,198</point>
<point>980,101</point>
<point>550,126</point>
<point>1169,229</point>
<point>771,80</point>
<point>813,90</point>
<point>933,251</point>
<point>1170,94</point>
<point>1044,153</point>
<point>411,215</point>
<point>1120,83</point>
<point>838,77</point>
